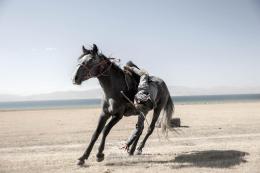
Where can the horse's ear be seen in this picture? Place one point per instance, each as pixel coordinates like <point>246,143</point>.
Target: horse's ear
<point>85,51</point>
<point>95,49</point>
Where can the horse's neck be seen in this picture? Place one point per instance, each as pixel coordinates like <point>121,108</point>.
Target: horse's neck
<point>110,79</point>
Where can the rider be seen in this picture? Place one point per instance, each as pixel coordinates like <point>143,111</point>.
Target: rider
<point>143,101</point>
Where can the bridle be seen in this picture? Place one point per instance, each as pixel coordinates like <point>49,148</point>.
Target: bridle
<point>104,61</point>
<point>101,63</point>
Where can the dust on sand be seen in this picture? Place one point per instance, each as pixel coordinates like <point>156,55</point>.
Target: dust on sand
<point>215,138</point>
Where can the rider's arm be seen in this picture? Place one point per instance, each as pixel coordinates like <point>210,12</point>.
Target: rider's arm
<point>137,71</point>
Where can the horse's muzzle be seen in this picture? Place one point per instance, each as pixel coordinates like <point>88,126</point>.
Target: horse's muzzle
<point>76,80</point>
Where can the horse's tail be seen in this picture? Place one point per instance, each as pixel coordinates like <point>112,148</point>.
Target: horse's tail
<point>167,115</point>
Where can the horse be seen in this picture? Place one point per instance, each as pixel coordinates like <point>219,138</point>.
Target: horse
<point>114,81</point>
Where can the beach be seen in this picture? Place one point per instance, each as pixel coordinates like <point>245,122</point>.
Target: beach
<point>216,137</point>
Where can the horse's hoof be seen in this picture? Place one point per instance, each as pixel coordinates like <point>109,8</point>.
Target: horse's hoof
<point>130,153</point>
<point>138,152</point>
<point>100,157</point>
<point>81,162</point>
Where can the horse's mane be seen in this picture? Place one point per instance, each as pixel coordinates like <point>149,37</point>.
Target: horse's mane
<point>128,75</point>
<point>113,63</point>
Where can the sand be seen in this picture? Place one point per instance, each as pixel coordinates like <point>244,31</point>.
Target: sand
<point>214,138</point>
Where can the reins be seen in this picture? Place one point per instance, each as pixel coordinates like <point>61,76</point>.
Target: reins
<point>133,105</point>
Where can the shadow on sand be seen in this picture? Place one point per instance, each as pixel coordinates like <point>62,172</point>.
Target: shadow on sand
<point>209,158</point>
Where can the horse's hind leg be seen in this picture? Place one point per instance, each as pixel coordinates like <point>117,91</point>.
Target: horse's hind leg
<point>108,127</point>
<point>156,115</point>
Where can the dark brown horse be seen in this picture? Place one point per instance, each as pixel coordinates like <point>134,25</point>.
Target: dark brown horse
<point>113,80</point>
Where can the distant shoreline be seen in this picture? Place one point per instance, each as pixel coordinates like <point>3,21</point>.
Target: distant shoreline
<point>173,96</point>
<point>96,103</point>
<point>46,109</point>
<point>99,106</point>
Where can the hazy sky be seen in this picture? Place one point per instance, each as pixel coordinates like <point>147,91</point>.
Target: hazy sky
<point>196,43</point>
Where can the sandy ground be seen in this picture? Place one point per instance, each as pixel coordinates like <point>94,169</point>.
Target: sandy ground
<point>215,138</point>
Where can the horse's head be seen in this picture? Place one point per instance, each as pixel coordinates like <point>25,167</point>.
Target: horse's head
<point>90,64</point>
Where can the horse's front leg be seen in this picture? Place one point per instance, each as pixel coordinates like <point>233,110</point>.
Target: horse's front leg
<point>102,121</point>
<point>115,119</point>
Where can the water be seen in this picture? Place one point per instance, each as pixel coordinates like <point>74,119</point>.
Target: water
<point>216,98</point>
<point>50,104</point>
<point>55,104</point>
